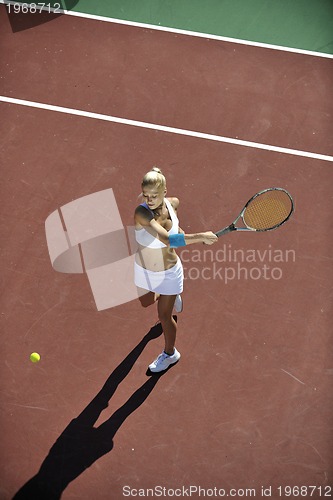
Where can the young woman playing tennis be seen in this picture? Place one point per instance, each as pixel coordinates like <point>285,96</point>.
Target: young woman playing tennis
<point>158,271</point>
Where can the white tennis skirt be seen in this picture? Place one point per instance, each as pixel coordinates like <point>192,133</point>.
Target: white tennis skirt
<point>168,282</point>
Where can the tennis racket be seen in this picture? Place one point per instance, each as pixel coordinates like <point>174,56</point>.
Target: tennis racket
<point>265,211</point>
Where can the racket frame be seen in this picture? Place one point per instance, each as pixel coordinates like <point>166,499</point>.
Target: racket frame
<point>232,227</point>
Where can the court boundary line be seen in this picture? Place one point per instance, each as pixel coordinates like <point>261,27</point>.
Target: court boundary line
<point>163,128</point>
<point>182,31</point>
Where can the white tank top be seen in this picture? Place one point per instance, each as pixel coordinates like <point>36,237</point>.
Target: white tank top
<point>145,239</point>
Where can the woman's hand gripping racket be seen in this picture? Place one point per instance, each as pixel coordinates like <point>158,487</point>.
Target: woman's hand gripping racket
<point>265,211</point>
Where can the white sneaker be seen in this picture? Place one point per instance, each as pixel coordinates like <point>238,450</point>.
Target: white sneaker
<point>163,361</point>
<point>178,306</point>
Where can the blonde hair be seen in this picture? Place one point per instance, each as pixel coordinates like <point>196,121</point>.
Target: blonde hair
<point>154,178</point>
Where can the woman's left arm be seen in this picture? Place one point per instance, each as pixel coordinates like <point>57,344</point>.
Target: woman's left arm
<point>207,237</point>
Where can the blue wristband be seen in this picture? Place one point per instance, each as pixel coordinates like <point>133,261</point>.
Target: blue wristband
<point>177,240</point>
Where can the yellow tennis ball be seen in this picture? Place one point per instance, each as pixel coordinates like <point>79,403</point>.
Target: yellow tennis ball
<point>34,357</point>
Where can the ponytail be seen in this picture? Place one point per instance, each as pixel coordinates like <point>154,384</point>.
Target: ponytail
<point>154,178</point>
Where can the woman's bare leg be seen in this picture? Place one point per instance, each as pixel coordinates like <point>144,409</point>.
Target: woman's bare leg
<point>169,325</point>
<point>147,298</point>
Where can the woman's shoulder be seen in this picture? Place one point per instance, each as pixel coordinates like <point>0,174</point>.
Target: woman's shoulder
<point>142,214</point>
<point>174,202</point>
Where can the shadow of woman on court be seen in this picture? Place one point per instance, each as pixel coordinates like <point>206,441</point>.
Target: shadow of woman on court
<point>81,444</point>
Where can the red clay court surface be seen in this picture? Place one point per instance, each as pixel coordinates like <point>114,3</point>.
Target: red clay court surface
<point>250,402</point>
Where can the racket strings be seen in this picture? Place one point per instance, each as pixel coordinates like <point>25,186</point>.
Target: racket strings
<point>268,210</point>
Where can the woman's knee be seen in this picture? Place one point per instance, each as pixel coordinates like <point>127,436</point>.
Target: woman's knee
<point>164,316</point>
<point>165,311</point>
<point>144,303</point>
<point>146,299</point>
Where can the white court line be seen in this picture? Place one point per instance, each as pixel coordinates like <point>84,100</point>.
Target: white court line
<point>180,31</point>
<point>162,128</point>
<point>298,380</point>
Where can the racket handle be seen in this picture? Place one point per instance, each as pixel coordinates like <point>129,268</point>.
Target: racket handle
<point>226,230</point>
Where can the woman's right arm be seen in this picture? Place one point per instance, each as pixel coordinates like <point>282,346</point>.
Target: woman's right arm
<point>143,218</point>
<point>207,237</point>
